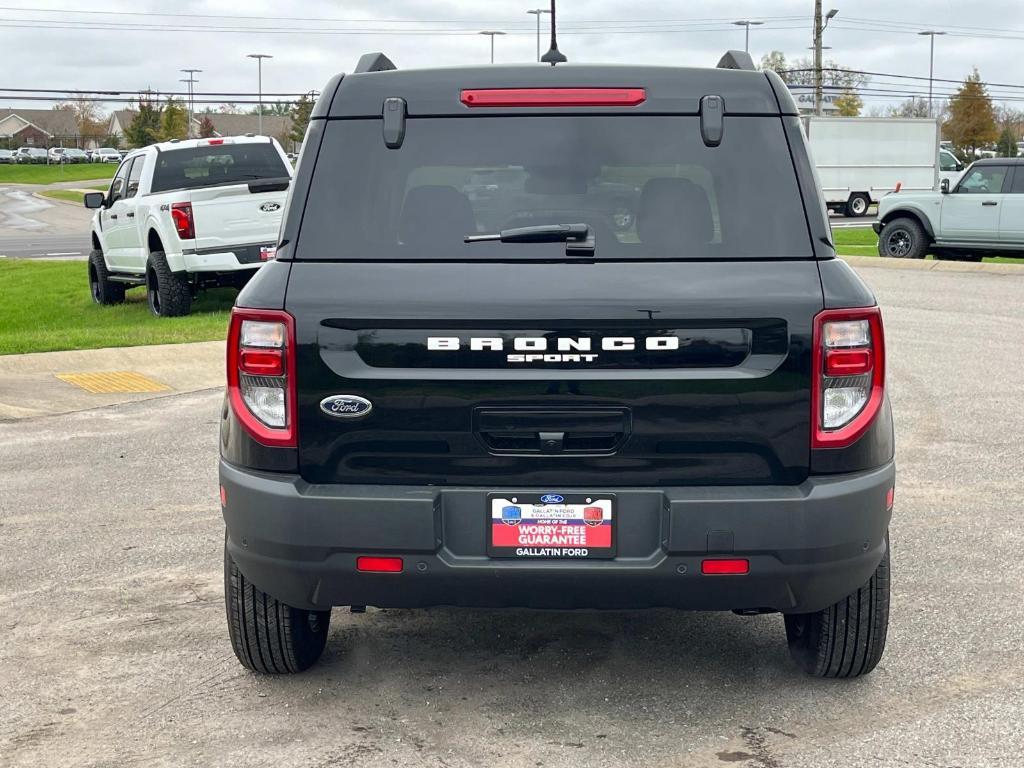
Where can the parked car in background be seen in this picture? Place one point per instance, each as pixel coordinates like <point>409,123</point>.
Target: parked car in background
<point>182,216</point>
<point>75,155</point>
<point>7,157</point>
<point>31,155</point>
<point>106,155</point>
<point>982,215</point>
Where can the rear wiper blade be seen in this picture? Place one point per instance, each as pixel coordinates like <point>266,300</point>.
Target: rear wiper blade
<point>578,238</point>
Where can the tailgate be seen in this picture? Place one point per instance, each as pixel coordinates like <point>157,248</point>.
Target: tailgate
<point>600,374</point>
<point>232,215</point>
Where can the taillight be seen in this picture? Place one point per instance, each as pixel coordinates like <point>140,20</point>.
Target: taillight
<point>849,374</point>
<point>181,213</point>
<point>261,374</point>
<point>554,97</point>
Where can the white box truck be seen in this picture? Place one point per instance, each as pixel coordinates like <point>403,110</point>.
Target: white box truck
<point>861,159</point>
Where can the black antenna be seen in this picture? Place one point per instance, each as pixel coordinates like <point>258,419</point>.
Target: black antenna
<point>553,56</point>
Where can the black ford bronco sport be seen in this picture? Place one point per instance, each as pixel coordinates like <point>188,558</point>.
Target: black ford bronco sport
<point>684,406</point>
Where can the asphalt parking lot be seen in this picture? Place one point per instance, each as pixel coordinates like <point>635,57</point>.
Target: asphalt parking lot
<point>114,649</point>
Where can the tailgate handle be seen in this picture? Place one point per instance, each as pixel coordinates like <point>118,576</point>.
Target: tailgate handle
<point>552,431</point>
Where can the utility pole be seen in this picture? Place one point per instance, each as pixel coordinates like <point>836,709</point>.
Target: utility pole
<point>191,97</point>
<point>538,12</point>
<point>491,34</point>
<point>748,24</point>
<point>931,64</point>
<point>819,28</point>
<point>259,60</point>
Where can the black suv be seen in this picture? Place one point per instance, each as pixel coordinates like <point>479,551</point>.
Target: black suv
<point>686,411</point>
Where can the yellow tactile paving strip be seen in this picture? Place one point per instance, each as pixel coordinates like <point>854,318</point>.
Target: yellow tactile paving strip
<point>110,382</point>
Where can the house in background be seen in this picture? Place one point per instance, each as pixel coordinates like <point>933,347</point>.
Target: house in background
<point>223,125</point>
<point>238,125</point>
<point>40,128</point>
<point>119,121</point>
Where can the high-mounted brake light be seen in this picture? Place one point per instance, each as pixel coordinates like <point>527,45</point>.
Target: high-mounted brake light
<point>181,214</point>
<point>261,374</point>
<point>554,97</point>
<point>214,142</point>
<point>848,372</point>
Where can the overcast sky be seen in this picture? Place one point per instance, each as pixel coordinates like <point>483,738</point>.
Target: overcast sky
<point>878,35</point>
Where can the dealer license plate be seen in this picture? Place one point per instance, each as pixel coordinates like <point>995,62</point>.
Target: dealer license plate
<point>551,525</point>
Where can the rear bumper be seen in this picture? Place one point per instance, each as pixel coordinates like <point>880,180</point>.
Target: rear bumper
<point>808,545</point>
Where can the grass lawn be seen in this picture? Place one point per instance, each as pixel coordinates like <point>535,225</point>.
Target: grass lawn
<point>69,194</point>
<point>45,306</point>
<point>862,241</point>
<point>52,174</point>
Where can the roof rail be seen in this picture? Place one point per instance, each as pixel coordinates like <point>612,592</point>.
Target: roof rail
<point>736,60</point>
<point>374,62</point>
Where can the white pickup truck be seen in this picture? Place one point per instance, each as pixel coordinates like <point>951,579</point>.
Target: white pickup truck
<point>182,216</point>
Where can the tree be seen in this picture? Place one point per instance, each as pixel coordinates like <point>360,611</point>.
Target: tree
<point>1007,146</point>
<point>912,107</point>
<point>848,103</point>
<point>228,108</point>
<point>834,76</point>
<point>174,120</point>
<point>90,120</point>
<point>278,108</point>
<point>300,113</point>
<point>972,119</point>
<point>206,129</point>
<point>145,126</point>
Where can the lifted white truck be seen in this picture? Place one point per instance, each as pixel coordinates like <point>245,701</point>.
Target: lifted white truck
<point>182,216</point>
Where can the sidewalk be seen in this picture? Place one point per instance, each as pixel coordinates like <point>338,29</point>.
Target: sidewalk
<point>30,385</point>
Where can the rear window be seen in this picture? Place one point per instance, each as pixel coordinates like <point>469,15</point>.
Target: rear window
<point>216,165</point>
<point>647,185</point>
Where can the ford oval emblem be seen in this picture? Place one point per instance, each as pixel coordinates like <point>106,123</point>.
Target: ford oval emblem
<point>270,207</point>
<point>346,406</point>
<point>551,498</point>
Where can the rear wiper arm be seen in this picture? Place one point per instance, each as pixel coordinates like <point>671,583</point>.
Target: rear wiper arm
<point>578,238</point>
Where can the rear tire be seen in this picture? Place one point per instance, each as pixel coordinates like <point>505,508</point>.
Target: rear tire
<point>857,206</point>
<point>104,291</point>
<point>846,639</point>
<point>268,636</point>
<point>168,293</point>
<point>903,238</point>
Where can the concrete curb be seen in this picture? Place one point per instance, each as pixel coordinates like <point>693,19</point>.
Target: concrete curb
<point>30,388</point>
<point>923,265</point>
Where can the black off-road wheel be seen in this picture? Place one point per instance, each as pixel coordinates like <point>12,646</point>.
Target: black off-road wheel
<point>903,238</point>
<point>846,639</point>
<point>168,293</point>
<point>103,290</point>
<point>268,636</point>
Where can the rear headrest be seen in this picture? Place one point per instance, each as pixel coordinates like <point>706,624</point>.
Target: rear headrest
<point>675,215</point>
<point>435,216</point>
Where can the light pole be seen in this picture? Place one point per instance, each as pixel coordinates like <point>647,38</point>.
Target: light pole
<point>538,12</point>
<point>191,100</point>
<point>931,64</point>
<point>748,25</point>
<point>259,60</point>
<point>491,33</point>
<point>819,28</point>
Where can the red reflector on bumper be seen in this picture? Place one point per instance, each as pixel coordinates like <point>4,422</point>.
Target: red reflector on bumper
<point>379,564</point>
<point>890,498</point>
<point>554,97</point>
<point>734,567</point>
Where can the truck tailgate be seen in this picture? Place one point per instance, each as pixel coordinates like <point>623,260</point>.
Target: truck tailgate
<point>232,215</point>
